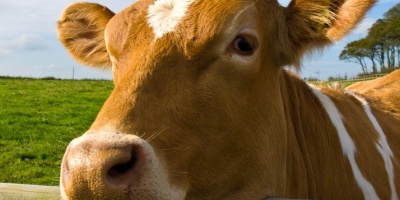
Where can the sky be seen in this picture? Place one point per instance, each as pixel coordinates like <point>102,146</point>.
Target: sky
<point>29,45</point>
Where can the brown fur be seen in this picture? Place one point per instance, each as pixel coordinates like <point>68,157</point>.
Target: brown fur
<point>384,92</point>
<point>81,31</point>
<point>226,128</point>
<point>312,24</point>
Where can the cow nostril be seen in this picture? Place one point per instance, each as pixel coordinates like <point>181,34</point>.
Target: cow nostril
<point>123,168</point>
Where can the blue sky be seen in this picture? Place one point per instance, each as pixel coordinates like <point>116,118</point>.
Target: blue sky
<point>29,45</point>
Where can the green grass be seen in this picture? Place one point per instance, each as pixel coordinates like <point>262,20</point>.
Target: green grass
<point>330,83</point>
<point>38,118</point>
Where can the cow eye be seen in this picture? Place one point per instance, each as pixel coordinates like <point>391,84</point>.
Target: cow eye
<point>243,46</point>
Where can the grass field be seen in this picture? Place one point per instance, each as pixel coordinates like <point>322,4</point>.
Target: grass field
<point>38,118</point>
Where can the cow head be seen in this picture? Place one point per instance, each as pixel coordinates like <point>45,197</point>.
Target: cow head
<point>197,110</point>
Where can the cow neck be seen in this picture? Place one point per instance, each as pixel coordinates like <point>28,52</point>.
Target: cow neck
<point>299,177</point>
<point>309,132</point>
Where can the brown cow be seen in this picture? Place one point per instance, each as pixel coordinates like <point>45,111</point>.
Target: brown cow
<point>384,91</point>
<point>203,109</point>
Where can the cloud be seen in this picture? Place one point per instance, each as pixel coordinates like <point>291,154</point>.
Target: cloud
<point>387,1</point>
<point>28,25</point>
<point>363,27</point>
<point>50,66</point>
<point>284,2</point>
<point>39,16</point>
<point>24,42</point>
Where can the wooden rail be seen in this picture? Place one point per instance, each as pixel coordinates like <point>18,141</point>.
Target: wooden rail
<point>359,79</point>
<point>346,82</point>
<point>28,192</point>
<point>37,192</point>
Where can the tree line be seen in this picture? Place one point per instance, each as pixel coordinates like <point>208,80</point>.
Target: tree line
<point>380,49</point>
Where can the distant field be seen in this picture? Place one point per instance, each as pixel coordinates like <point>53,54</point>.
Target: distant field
<point>38,118</point>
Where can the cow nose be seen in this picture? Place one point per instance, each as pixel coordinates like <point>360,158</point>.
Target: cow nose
<point>119,173</point>
<point>108,165</point>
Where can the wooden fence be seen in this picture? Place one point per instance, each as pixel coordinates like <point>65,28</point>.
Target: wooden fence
<point>35,192</point>
<point>28,192</point>
<point>349,81</point>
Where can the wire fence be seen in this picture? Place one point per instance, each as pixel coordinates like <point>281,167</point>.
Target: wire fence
<point>56,72</point>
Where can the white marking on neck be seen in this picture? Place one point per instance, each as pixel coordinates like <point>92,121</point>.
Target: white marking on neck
<point>164,15</point>
<point>382,145</point>
<point>346,142</point>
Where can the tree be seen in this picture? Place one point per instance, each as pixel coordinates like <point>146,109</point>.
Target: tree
<point>377,34</point>
<point>381,44</point>
<point>368,48</point>
<point>393,31</point>
<point>354,53</point>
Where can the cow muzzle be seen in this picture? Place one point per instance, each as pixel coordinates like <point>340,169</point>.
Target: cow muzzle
<point>109,165</point>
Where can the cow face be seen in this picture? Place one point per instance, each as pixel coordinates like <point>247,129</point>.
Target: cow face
<point>196,111</point>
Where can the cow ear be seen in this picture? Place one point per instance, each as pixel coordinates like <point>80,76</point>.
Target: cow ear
<point>81,31</point>
<point>314,24</point>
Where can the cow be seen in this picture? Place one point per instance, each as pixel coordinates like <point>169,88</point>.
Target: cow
<point>384,91</point>
<point>204,108</point>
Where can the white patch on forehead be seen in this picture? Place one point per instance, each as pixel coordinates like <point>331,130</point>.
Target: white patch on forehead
<point>346,142</point>
<point>382,145</point>
<point>164,15</point>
